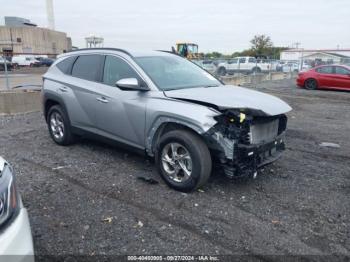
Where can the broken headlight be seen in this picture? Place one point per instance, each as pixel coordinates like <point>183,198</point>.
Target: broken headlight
<point>9,199</point>
<point>235,125</point>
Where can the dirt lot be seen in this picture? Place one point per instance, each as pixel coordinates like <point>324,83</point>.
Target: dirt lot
<point>86,199</point>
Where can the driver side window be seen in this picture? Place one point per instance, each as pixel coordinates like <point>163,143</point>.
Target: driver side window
<point>116,69</point>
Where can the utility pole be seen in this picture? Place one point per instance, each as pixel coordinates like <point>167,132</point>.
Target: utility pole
<point>6,73</point>
<point>297,44</point>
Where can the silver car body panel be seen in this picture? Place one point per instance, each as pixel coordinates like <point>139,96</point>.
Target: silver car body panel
<point>227,97</point>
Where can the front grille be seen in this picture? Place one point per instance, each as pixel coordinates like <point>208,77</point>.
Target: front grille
<point>264,131</point>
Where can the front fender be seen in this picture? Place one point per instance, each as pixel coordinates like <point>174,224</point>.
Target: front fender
<point>199,118</point>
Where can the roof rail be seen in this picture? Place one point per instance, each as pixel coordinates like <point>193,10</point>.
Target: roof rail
<point>101,48</point>
<point>169,52</point>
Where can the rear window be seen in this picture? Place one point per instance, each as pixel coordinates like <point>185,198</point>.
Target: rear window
<point>66,65</point>
<point>87,67</point>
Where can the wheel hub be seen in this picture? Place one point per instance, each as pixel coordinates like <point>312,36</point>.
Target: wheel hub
<point>176,162</point>
<point>57,125</point>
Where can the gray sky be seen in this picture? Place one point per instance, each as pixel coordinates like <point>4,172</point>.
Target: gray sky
<point>216,25</point>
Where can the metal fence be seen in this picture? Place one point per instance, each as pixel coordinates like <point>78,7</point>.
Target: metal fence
<point>251,65</point>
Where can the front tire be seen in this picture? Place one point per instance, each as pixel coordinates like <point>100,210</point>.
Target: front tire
<point>59,126</point>
<point>183,160</point>
<point>311,84</point>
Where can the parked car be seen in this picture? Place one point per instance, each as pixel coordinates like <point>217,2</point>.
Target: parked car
<point>18,61</point>
<point>15,234</point>
<point>290,67</point>
<point>45,61</point>
<point>165,106</point>
<point>246,64</point>
<point>207,65</point>
<point>325,77</point>
<point>2,64</point>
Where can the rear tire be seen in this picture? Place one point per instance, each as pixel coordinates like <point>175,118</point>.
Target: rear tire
<point>199,160</point>
<point>311,84</point>
<point>59,126</point>
<point>256,70</point>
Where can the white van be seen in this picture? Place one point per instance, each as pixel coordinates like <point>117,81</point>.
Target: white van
<point>22,60</point>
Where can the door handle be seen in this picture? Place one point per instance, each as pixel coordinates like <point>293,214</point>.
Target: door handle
<point>102,99</point>
<point>63,89</point>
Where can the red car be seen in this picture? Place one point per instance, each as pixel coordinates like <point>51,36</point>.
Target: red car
<point>325,77</point>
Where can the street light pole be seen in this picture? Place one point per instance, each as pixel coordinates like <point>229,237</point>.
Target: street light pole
<point>6,74</point>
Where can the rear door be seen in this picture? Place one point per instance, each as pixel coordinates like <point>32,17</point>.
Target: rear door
<point>325,76</point>
<point>80,90</point>
<point>242,65</point>
<point>341,77</point>
<point>120,114</point>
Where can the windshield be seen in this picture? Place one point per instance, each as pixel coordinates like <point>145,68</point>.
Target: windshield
<point>174,72</point>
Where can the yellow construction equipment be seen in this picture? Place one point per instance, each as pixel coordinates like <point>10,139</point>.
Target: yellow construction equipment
<point>188,50</point>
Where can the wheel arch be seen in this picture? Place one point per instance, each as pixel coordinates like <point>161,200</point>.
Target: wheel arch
<point>310,78</point>
<point>165,125</point>
<point>50,100</point>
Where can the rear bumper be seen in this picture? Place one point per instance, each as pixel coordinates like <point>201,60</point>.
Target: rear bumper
<point>248,158</point>
<point>16,240</point>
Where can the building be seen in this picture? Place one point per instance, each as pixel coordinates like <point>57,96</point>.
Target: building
<point>337,55</point>
<point>15,21</point>
<point>329,58</point>
<point>20,36</point>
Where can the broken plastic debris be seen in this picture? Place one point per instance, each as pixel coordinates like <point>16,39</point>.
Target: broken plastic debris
<point>149,180</point>
<point>59,167</point>
<point>139,224</point>
<point>107,219</point>
<point>329,144</point>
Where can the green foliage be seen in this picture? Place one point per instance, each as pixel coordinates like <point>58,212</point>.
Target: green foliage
<point>261,46</point>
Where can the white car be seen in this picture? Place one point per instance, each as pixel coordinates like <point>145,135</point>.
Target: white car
<point>15,234</point>
<point>290,67</point>
<point>25,61</point>
<point>244,64</point>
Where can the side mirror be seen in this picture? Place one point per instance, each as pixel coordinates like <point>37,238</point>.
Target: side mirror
<point>130,84</point>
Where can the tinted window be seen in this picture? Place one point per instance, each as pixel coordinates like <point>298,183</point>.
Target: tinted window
<point>116,69</point>
<point>341,70</point>
<point>87,67</point>
<point>233,61</point>
<point>242,60</point>
<point>325,70</point>
<point>252,60</point>
<point>66,65</point>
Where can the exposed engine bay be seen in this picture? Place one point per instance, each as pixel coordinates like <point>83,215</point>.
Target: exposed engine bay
<point>242,141</point>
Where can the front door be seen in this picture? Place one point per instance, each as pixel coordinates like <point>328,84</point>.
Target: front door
<point>120,114</point>
<point>325,76</point>
<point>342,77</point>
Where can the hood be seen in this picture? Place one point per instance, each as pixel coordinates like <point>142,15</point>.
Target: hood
<point>232,97</point>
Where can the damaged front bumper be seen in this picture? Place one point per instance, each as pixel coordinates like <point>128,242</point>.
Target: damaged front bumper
<point>248,158</point>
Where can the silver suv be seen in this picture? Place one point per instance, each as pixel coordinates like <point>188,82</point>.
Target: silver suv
<point>164,106</point>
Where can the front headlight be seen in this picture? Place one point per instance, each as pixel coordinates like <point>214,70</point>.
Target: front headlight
<point>9,199</point>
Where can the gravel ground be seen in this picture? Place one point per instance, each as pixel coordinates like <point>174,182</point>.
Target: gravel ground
<point>86,199</point>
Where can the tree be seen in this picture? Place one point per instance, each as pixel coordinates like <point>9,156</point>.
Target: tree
<point>261,44</point>
<point>214,55</point>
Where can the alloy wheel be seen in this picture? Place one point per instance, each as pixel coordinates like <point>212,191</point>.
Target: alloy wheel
<point>176,162</point>
<point>57,125</point>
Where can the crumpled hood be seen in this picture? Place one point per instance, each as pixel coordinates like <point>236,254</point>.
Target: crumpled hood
<point>230,97</point>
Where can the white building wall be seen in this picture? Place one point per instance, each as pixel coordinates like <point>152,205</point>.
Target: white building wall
<point>298,53</point>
